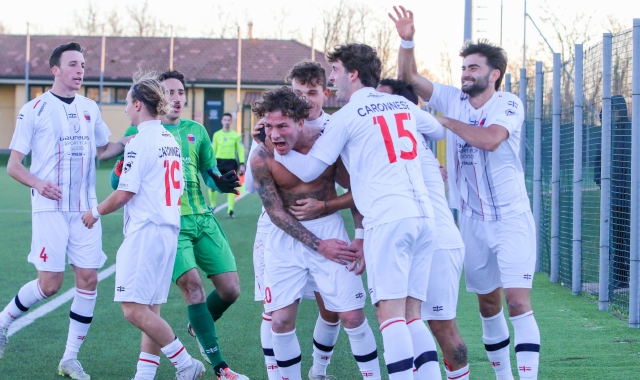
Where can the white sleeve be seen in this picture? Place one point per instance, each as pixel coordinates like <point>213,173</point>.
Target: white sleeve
<point>131,169</point>
<point>442,97</point>
<point>427,125</point>
<point>25,126</point>
<point>100,130</point>
<point>249,186</point>
<point>507,113</point>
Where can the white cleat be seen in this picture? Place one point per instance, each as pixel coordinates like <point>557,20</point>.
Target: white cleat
<point>73,369</point>
<point>192,332</point>
<point>320,377</point>
<point>194,371</point>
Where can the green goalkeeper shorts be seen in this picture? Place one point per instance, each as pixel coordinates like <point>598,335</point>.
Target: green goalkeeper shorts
<point>202,244</point>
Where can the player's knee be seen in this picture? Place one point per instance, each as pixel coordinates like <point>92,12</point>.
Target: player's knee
<point>352,319</point>
<point>50,287</point>
<point>130,314</point>
<point>230,293</point>
<point>281,325</point>
<point>518,307</point>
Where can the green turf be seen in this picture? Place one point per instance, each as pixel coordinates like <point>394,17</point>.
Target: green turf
<point>578,341</point>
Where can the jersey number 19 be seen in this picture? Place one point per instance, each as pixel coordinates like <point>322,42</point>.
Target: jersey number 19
<point>169,179</point>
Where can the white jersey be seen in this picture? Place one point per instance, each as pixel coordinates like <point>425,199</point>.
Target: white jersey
<point>485,185</point>
<point>446,230</point>
<point>152,171</point>
<point>376,135</point>
<point>62,139</point>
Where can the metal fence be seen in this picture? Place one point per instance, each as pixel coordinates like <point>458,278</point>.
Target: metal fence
<point>585,205</point>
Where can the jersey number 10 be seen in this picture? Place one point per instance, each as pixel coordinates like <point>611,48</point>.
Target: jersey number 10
<point>388,140</point>
<point>169,179</point>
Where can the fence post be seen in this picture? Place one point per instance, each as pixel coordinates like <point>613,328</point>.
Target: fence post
<point>605,176</point>
<point>576,275</point>
<point>537,159</point>
<point>507,82</point>
<point>634,268</point>
<point>555,171</point>
<point>523,131</point>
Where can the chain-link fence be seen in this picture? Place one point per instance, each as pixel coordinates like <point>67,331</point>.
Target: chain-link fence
<point>608,249</point>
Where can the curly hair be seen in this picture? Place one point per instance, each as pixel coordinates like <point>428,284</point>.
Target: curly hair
<point>495,55</point>
<point>282,99</point>
<point>153,94</point>
<point>402,88</point>
<point>308,72</point>
<point>361,58</point>
<point>172,74</point>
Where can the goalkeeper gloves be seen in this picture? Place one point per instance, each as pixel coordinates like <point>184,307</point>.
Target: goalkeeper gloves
<point>226,183</point>
<point>118,168</point>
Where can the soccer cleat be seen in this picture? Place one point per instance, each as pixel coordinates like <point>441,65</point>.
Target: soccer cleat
<point>73,369</point>
<point>192,332</point>
<point>320,377</point>
<point>231,215</point>
<point>227,374</point>
<point>3,340</point>
<point>194,371</point>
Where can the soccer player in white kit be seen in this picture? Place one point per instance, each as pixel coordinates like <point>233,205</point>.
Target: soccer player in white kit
<point>64,133</point>
<point>486,183</point>
<point>446,268</point>
<point>308,80</point>
<point>376,136</point>
<point>150,188</point>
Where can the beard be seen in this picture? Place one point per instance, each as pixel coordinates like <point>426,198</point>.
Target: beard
<point>478,87</point>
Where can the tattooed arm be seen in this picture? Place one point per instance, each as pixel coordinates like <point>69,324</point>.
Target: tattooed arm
<point>333,249</point>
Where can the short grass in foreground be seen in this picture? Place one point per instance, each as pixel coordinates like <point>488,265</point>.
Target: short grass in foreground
<point>578,341</point>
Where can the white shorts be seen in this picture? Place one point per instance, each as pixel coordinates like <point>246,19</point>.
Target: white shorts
<point>500,253</point>
<point>258,269</point>
<point>289,263</point>
<point>57,235</point>
<point>398,256</point>
<point>144,265</point>
<point>444,284</point>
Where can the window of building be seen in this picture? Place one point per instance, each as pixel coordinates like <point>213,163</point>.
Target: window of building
<point>35,91</point>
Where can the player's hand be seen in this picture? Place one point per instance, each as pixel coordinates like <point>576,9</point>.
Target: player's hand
<point>125,140</point>
<point>241,169</point>
<point>306,209</point>
<point>338,251</point>
<point>358,265</point>
<point>48,190</point>
<point>88,220</point>
<point>443,173</point>
<point>257,129</point>
<point>227,183</point>
<point>404,23</point>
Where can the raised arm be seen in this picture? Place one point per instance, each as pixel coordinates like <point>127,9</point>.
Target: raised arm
<point>407,68</point>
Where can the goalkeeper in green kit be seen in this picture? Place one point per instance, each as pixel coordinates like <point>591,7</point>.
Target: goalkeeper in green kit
<point>201,243</point>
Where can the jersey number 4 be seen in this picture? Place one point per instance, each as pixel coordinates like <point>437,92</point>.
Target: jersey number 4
<point>388,140</point>
<point>169,179</point>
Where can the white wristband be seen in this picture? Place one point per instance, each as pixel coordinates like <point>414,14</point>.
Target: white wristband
<point>407,44</point>
<point>95,213</point>
<point>359,233</point>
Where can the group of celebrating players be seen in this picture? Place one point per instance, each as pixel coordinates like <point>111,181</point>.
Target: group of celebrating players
<point>374,146</point>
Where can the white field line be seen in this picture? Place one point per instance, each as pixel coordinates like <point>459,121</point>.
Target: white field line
<point>63,298</point>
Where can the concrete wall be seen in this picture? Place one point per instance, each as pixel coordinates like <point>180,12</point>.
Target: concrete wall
<point>8,115</point>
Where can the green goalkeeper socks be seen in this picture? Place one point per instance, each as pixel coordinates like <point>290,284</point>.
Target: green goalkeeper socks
<point>216,305</point>
<point>205,329</point>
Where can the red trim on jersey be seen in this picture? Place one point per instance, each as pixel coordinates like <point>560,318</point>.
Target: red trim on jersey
<point>148,361</point>
<point>390,323</point>
<point>458,377</point>
<point>177,353</point>
<point>413,320</point>
<point>34,107</point>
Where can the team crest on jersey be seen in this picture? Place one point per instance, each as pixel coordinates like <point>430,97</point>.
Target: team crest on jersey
<point>87,117</point>
<point>191,138</point>
<point>76,127</point>
<point>127,166</point>
<point>510,112</point>
<point>224,139</point>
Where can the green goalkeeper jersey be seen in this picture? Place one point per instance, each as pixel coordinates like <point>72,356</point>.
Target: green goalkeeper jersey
<point>197,156</point>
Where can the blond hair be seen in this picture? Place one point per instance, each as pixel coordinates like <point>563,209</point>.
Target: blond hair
<point>151,92</point>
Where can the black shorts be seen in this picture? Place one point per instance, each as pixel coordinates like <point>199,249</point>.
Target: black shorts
<point>227,165</point>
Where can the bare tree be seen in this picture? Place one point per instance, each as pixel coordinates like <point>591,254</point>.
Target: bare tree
<point>613,25</point>
<point>144,24</point>
<point>87,20</point>
<point>226,25</point>
<point>114,27</point>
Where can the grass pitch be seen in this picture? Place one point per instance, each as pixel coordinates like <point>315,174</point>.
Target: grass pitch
<point>578,341</point>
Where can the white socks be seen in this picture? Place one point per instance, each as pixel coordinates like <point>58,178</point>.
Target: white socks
<point>267,349</point>
<point>177,354</point>
<point>495,335</point>
<point>147,366</point>
<point>398,349</point>
<point>424,350</point>
<point>29,295</point>
<point>80,318</point>
<point>363,346</point>
<point>288,354</point>
<point>459,374</point>
<point>527,341</point>
<point>325,335</point>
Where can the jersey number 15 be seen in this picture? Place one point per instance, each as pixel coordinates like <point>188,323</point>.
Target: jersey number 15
<point>388,140</point>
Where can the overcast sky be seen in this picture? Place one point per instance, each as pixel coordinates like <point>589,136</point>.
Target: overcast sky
<point>439,27</point>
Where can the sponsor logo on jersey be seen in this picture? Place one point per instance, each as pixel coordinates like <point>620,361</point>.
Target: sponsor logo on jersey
<point>513,104</point>
<point>191,138</point>
<point>127,166</point>
<point>510,112</point>
<point>20,117</point>
<point>72,115</point>
<point>131,154</point>
<point>74,138</point>
<point>76,127</point>
<point>165,151</point>
<point>41,108</point>
<point>87,117</point>
<point>166,134</point>
<point>120,289</point>
<point>123,185</point>
<point>382,107</point>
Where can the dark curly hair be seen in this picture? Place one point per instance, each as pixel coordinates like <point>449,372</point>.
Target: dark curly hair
<point>308,72</point>
<point>172,74</point>
<point>284,100</point>
<point>495,55</point>
<point>402,88</point>
<point>361,58</point>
